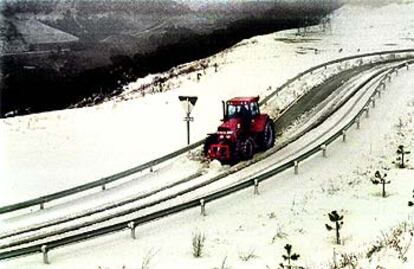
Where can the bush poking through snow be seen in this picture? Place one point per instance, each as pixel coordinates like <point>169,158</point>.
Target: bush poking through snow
<point>411,203</point>
<point>279,234</point>
<point>337,219</point>
<point>223,264</point>
<point>348,261</point>
<point>399,239</point>
<point>401,156</point>
<point>381,180</point>
<point>289,257</point>
<point>198,244</point>
<point>147,259</point>
<point>345,261</point>
<point>247,255</point>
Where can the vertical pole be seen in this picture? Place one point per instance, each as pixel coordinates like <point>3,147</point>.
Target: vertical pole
<point>373,102</point>
<point>44,250</point>
<point>203,207</point>
<point>344,136</point>
<point>131,226</point>
<point>323,148</point>
<point>367,112</point>
<point>42,205</point>
<point>103,187</point>
<point>256,187</point>
<point>296,163</point>
<point>358,122</point>
<point>188,128</point>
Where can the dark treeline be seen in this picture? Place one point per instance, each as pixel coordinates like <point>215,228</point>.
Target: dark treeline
<point>30,90</point>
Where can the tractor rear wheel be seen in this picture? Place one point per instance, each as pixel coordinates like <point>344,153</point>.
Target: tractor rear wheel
<point>267,137</point>
<point>247,149</point>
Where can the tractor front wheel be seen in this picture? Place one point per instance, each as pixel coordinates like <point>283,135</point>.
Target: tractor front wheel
<point>247,149</point>
<point>211,139</point>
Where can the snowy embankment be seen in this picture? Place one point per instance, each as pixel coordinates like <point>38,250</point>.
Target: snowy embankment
<point>285,213</point>
<point>171,173</point>
<point>82,148</point>
<point>47,152</point>
<point>283,156</point>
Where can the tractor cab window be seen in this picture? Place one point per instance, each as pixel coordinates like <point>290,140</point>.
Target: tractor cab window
<point>237,110</point>
<point>254,107</point>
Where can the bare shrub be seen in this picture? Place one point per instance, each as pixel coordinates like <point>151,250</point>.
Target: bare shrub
<point>198,244</point>
<point>146,261</point>
<point>398,239</point>
<point>247,255</point>
<point>223,264</point>
<point>280,234</point>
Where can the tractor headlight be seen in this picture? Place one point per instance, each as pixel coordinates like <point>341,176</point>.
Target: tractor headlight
<point>238,125</point>
<point>228,136</point>
<point>221,136</point>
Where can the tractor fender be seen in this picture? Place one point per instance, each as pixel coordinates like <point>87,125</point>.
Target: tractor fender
<point>259,123</point>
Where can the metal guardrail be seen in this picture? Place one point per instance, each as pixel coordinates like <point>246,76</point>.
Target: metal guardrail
<point>196,202</point>
<point>106,180</point>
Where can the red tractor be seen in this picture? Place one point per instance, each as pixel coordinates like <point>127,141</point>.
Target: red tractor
<point>243,132</point>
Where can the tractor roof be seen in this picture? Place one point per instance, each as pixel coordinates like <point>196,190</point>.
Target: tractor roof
<point>244,99</point>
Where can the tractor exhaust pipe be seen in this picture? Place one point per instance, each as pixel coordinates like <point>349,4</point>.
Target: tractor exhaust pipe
<point>224,110</point>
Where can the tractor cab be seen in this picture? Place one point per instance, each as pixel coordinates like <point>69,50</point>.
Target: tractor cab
<point>241,107</point>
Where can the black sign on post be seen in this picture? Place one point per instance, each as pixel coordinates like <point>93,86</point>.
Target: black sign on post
<point>188,103</point>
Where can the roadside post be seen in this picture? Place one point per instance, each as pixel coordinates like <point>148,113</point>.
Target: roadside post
<point>188,103</point>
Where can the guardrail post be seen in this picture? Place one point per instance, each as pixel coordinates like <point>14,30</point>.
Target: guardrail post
<point>103,187</point>
<point>358,122</point>
<point>382,85</point>
<point>42,205</point>
<point>407,65</point>
<point>44,250</point>
<point>203,207</point>
<point>323,148</point>
<point>389,77</point>
<point>131,226</point>
<point>151,169</point>
<point>296,164</point>
<point>256,186</point>
<point>378,92</point>
<point>344,136</point>
<point>373,102</point>
<point>366,112</point>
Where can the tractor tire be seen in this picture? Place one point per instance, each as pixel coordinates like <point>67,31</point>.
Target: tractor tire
<point>211,139</point>
<point>247,149</point>
<point>267,137</point>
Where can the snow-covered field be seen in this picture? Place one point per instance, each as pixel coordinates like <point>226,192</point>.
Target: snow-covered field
<point>65,148</point>
<point>285,213</point>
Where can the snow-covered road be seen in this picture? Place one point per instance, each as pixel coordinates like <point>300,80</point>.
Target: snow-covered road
<point>106,142</point>
<point>305,142</point>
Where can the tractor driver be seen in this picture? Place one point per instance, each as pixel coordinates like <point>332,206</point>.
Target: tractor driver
<point>245,117</point>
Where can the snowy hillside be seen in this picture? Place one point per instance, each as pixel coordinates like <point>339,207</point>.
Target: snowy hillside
<point>76,146</point>
<point>47,152</point>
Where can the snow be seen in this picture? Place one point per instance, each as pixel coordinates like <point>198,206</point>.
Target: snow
<point>242,221</point>
<point>74,146</point>
<point>142,187</point>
